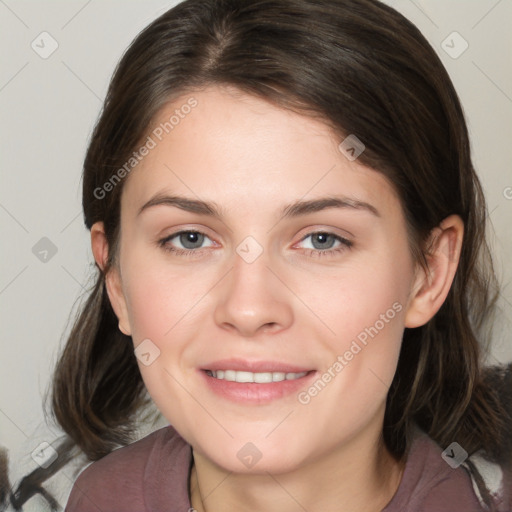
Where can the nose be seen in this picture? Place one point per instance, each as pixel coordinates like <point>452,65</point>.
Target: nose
<point>252,299</point>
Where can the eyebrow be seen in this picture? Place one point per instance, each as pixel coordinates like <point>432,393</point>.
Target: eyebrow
<point>295,209</point>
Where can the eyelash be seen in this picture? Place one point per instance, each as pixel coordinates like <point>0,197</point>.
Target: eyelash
<point>190,253</point>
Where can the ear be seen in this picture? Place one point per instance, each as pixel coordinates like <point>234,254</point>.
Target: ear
<point>112,278</point>
<point>431,287</point>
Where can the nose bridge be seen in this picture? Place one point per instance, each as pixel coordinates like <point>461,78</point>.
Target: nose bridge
<point>251,296</point>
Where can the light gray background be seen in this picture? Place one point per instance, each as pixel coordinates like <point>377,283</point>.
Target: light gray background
<point>49,107</point>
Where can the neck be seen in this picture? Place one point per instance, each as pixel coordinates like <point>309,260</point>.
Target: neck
<point>362,477</point>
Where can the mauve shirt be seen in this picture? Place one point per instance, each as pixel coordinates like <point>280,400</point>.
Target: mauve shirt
<point>152,475</point>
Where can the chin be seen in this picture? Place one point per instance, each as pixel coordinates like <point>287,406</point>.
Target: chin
<point>260,456</point>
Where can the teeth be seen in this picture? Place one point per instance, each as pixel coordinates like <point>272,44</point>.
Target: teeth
<point>259,378</point>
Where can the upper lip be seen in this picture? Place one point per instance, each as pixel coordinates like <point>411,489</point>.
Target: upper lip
<point>243,365</point>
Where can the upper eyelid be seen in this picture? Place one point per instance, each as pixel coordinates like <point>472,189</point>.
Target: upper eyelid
<point>327,232</point>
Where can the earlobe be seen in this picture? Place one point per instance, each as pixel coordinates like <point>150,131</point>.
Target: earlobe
<point>112,277</point>
<point>432,285</point>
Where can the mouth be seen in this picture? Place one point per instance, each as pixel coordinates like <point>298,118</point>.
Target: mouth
<point>258,378</point>
<point>256,382</point>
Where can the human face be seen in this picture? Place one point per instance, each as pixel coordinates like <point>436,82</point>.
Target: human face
<point>283,300</point>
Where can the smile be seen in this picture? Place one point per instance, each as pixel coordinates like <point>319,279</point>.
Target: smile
<point>258,378</point>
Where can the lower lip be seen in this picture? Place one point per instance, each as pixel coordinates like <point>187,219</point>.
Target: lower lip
<point>251,392</point>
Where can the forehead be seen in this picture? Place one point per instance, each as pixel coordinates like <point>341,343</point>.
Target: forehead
<point>244,151</point>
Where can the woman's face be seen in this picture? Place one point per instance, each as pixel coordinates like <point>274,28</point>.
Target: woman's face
<point>281,282</point>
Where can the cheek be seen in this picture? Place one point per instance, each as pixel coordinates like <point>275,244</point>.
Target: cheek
<point>162,305</point>
<point>363,298</point>
<point>364,307</point>
<point>149,318</point>
<point>161,297</point>
<point>359,364</point>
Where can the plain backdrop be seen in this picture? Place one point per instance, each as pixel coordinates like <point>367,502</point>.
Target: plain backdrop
<point>49,106</point>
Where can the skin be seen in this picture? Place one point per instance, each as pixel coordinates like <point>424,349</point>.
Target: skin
<point>291,304</point>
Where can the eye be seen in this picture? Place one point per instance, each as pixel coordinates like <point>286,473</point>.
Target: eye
<point>322,244</point>
<point>189,241</point>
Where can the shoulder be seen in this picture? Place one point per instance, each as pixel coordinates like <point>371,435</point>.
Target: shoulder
<point>121,478</point>
<point>433,480</point>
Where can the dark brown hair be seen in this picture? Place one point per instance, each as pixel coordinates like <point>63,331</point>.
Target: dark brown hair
<point>364,69</point>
